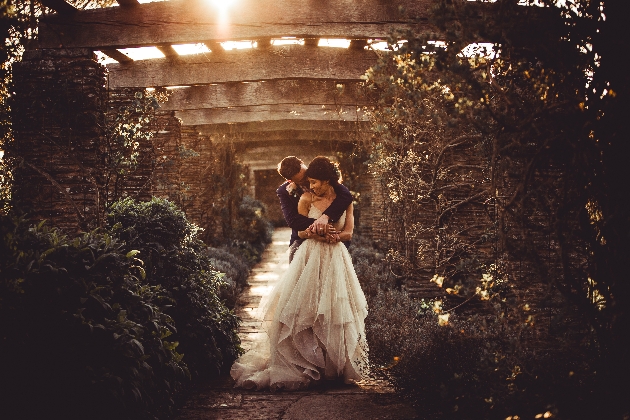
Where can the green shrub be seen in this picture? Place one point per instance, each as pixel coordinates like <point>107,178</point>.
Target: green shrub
<point>81,334</point>
<point>251,231</point>
<point>176,261</point>
<point>481,365</point>
<point>236,269</point>
<point>231,263</point>
<point>369,267</point>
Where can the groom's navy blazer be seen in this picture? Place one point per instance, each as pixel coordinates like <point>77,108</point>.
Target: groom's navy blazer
<point>296,221</point>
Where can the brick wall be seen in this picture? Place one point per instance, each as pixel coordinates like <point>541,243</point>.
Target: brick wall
<point>58,110</point>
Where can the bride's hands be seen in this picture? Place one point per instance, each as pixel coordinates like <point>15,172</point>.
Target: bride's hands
<point>331,237</point>
<point>321,225</point>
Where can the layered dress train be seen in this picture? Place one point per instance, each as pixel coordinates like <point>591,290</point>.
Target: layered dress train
<point>315,322</point>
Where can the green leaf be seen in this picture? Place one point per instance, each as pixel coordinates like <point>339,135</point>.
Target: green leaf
<point>132,253</point>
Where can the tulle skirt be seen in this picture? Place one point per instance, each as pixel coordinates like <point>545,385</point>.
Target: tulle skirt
<point>315,324</point>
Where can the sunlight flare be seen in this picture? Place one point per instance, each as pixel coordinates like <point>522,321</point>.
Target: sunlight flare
<point>223,15</point>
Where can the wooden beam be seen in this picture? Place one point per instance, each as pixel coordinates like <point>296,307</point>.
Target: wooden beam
<point>290,136</point>
<point>193,21</point>
<point>270,112</point>
<point>358,44</point>
<point>117,55</point>
<point>300,91</point>
<point>284,125</point>
<point>259,156</point>
<point>168,51</point>
<point>214,46</point>
<point>263,42</point>
<point>275,62</point>
<point>60,6</point>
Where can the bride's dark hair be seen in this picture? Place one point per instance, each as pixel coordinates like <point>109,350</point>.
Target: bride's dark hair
<point>324,169</point>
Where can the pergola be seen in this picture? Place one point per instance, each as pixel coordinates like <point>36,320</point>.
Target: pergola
<point>286,95</point>
<point>291,95</point>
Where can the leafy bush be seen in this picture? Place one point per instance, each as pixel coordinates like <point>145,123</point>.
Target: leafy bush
<point>251,231</point>
<point>477,366</point>
<point>233,264</point>
<point>229,261</point>
<point>82,335</point>
<point>175,260</point>
<point>499,358</point>
<point>368,265</point>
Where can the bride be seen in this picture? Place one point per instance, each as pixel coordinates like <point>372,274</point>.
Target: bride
<point>315,316</point>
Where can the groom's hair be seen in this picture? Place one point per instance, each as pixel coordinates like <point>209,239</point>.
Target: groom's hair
<point>289,166</point>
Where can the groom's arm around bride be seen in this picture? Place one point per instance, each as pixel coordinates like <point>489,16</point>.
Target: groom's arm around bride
<point>293,170</point>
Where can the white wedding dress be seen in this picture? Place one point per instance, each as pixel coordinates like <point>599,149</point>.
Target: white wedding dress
<point>314,319</point>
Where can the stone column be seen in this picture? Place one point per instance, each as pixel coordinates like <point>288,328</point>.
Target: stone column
<point>58,111</point>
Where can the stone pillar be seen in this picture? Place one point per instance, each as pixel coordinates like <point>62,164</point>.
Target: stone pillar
<point>371,210</point>
<point>58,112</point>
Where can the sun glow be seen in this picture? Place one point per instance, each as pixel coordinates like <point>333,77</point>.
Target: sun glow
<point>222,5</point>
<point>223,15</point>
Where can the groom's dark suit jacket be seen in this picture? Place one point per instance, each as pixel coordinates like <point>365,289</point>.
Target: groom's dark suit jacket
<point>297,222</point>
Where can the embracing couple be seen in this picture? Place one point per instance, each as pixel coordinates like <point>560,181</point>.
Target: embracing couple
<point>314,317</point>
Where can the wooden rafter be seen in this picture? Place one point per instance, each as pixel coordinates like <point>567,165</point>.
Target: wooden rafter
<point>193,21</point>
<point>301,91</point>
<point>60,6</point>
<point>214,46</point>
<point>270,112</point>
<point>117,55</point>
<point>289,136</point>
<point>168,51</point>
<point>284,125</point>
<point>128,3</point>
<point>275,62</point>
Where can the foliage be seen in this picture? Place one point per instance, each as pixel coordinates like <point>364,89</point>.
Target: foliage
<point>228,261</point>
<point>233,264</point>
<point>83,335</point>
<point>369,266</point>
<point>435,173</point>
<point>554,111</point>
<point>231,217</point>
<point>251,230</point>
<point>543,120</point>
<point>354,171</point>
<point>7,21</point>
<point>509,359</point>
<point>174,259</point>
<point>122,135</point>
<point>476,366</point>
<point>127,130</point>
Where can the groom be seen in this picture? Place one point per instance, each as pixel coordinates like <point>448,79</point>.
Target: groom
<point>293,170</point>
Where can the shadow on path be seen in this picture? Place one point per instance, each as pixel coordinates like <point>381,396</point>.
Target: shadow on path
<point>366,400</point>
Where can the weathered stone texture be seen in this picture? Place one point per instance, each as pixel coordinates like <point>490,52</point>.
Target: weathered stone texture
<point>197,164</point>
<point>58,112</point>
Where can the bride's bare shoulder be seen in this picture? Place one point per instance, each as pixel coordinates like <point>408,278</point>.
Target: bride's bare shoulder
<point>305,203</point>
<point>307,197</point>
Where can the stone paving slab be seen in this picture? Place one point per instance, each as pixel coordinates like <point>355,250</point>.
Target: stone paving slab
<point>219,400</point>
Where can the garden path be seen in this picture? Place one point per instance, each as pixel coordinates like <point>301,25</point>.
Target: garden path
<point>218,400</point>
